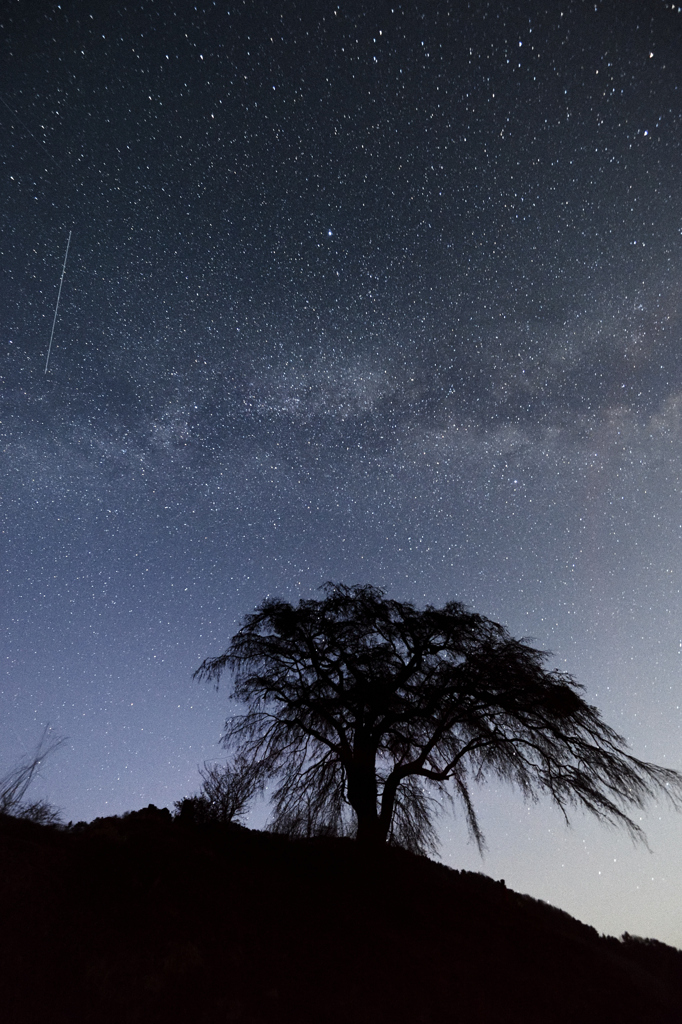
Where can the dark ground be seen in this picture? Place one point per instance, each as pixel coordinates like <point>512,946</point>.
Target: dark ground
<point>146,919</point>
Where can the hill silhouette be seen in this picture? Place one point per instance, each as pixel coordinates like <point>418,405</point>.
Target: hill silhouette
<point>146,918</point>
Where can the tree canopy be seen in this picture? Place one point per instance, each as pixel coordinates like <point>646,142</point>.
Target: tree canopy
<point>369,715</point>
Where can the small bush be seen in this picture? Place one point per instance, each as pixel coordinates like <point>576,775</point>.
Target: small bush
<point>226,793</point>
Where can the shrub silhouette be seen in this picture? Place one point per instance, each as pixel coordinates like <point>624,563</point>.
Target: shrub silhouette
<point>226,792</point>
<point>15,783</point>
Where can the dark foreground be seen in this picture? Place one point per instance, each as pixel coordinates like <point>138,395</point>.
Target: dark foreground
<point>146,919</point>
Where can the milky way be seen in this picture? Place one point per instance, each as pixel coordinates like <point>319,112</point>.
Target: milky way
<point>371,293</point>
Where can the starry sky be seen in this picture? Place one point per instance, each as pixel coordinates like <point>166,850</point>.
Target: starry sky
<point>383,293</point>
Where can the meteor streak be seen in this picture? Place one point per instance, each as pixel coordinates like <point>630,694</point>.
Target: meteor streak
<point>59,295</point>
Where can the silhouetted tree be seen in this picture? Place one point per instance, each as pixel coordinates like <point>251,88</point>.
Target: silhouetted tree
<point>356,702</point>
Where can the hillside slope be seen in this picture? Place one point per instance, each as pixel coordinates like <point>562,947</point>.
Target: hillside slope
<point>144,919</point>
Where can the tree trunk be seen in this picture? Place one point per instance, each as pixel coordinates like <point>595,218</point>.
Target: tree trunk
<point>388,803</point>
<point>362,796</point>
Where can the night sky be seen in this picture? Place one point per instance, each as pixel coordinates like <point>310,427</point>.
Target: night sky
<point>376,293</point>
